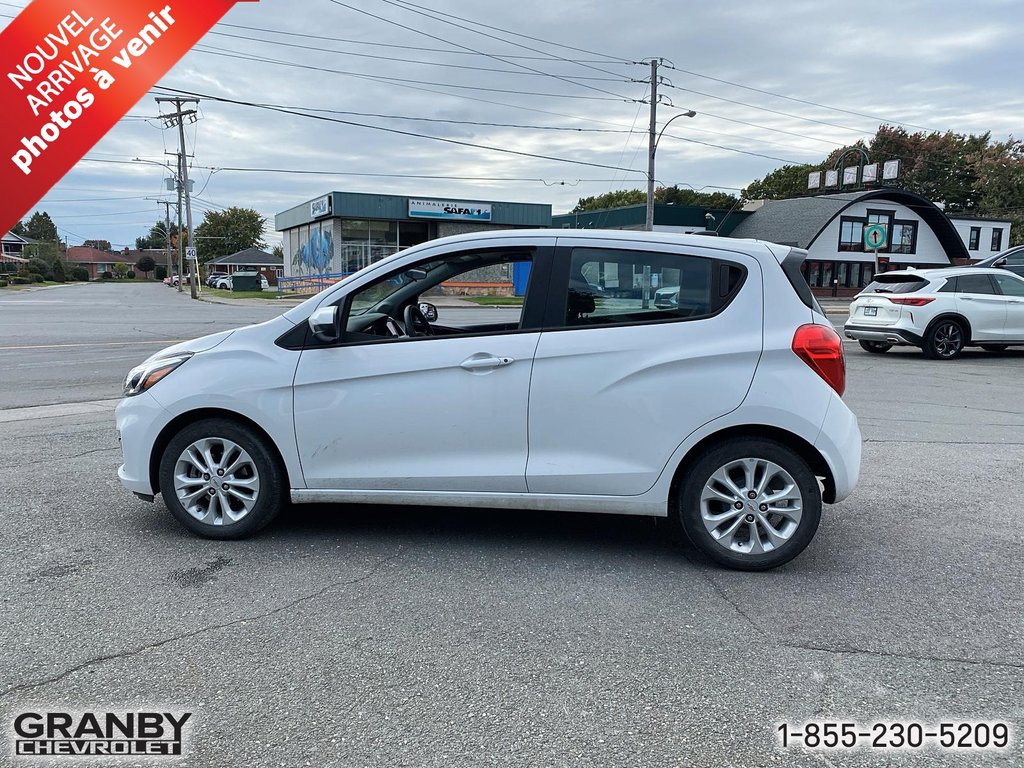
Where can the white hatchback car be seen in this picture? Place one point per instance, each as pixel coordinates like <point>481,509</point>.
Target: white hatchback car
<point>939,310</point>
<point>719,414</point>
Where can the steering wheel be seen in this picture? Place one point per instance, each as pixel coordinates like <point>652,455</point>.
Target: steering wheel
<point>416,323</point>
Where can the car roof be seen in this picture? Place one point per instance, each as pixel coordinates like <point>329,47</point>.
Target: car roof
<point>944,272</point>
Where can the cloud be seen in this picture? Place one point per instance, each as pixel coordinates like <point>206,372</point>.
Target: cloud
<point>941,66</point>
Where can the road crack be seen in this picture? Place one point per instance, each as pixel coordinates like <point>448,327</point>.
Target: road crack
<point>130,652</point>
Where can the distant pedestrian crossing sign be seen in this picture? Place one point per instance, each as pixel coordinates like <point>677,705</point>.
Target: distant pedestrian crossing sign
<point>874,236</point>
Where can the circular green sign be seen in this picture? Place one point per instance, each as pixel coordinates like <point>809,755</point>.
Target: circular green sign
<point>875,236</point>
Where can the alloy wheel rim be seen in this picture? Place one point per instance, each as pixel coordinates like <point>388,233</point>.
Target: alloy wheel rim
<point>751,506</point>
<point>948,339</point>
<point>216,481</point>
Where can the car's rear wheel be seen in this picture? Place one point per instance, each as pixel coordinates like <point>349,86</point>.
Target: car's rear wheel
<point>875,347</point>
<point>221,480</point>
<point>995,347</point>
<point>945,340</point>
<point>750,504</point>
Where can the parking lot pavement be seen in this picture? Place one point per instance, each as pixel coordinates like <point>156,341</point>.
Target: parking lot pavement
<point>378,636</point>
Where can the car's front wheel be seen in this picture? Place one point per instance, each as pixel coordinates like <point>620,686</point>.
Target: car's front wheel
<point>945,340</point>
<point>221,480</point>
<point>750,504</point>
<point>875,347</point>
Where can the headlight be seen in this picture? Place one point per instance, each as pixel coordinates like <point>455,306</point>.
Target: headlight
<point>142,377</point>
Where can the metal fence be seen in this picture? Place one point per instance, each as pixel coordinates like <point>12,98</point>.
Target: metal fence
<point>309,284</point>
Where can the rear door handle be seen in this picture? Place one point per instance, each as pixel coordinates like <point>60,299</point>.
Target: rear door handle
<point>476,362</point>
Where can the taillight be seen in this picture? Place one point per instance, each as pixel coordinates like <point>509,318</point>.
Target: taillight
<point>821,348</point>
<point>911,301</point>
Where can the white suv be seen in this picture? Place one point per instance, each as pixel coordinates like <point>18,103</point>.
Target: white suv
<point>939,310</point>
<point>717,413</point>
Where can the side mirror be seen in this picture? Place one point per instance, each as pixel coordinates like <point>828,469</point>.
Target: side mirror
<point>999,262</point>
<point>429,311</point>
<point>325,323</point>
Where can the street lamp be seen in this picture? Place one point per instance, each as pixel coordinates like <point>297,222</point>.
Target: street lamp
<point>650,163</point>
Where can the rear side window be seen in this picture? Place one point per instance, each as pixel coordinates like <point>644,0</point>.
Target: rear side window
<point>974,284</point>
<point>895,284</point>
<point>612,287</point>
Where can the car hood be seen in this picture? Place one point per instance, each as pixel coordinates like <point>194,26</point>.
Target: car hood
<point>202,344</point>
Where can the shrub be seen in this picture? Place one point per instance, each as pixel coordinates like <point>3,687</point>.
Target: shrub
<point>8,267</point>
<point>59,273</point>
<point>20,280</point>
<point>39,267</point>
<point>80,273</point>
<point>3,283</point>
<point>161,273</point>
<point>130,274</point>
<point>35,277</point>
<point>108,275</point>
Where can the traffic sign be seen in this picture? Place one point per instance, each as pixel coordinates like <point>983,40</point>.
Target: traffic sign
<point>875,237</point>
<point>190,253</point>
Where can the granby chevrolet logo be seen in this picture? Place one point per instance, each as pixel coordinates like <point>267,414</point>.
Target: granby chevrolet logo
<point>44,734</point>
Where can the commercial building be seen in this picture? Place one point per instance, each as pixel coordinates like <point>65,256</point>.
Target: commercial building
<point>342,232</point>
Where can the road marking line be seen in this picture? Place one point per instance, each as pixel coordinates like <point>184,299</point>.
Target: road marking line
<point>165,342</point>
<point>57,409</point>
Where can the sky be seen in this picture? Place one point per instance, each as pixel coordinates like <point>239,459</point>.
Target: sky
<point>772,83</point>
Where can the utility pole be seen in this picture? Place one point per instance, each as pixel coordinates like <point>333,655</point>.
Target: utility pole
<point>167,233</point>
<point>181,235</point>
<point>178,117</point>
<point>652,145</point>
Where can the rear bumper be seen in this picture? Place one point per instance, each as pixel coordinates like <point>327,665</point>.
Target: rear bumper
<point>839,443</point>
<point>897,336</point>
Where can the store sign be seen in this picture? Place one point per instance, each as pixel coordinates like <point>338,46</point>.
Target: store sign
<point>449,210</point>
<point>320,207</point>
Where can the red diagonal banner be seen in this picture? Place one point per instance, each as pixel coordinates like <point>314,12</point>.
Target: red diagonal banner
<point>69,70</point>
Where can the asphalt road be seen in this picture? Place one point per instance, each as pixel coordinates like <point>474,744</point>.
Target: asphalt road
<point>365,636</point>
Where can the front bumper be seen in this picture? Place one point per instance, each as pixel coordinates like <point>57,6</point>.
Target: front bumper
<point>894,335</point>
<point>139,421</point>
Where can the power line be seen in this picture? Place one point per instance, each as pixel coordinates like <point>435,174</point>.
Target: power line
<point>412,134</point>
<point>402,81</point>
<point>320,49</point>
<point>489,55</point>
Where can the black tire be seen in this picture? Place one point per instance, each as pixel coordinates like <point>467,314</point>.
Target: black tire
<point>874,347</point>
<point>718,458</point>
<point>261,462</point>
<point>995,347</point>
<point>945,340</point>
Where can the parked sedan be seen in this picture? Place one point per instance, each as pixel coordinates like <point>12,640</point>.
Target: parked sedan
<point>1011,260</point>
<point>939,310</point>
<point>213,277</point>
<point>574,404</point>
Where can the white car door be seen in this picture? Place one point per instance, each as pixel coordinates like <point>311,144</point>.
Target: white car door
<point>985,310</point>
<point>623,382</point>
<point>432,413</point>
<point>1012,288</point>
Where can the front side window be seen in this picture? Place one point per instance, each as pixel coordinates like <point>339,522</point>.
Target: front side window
<point>975,239</point>
<point>608,286</point>
<point>389,308</point>
<point>974,284</point>
<point>851,234</point>
<point>997,239</point>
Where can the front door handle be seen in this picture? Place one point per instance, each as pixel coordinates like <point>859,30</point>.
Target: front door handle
<point>476,362</point>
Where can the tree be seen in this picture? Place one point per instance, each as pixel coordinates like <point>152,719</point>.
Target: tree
<point>101,245</point>
<point>278,252</point>
<point>230,231</point>
<point>59,273</point>
<point>41,227</point>
<point>156,238</point>
<point>19,229</point>
<point>616,199</point>
<point>120,268</point>
<point>145,264</point>
<point>782,183</point>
